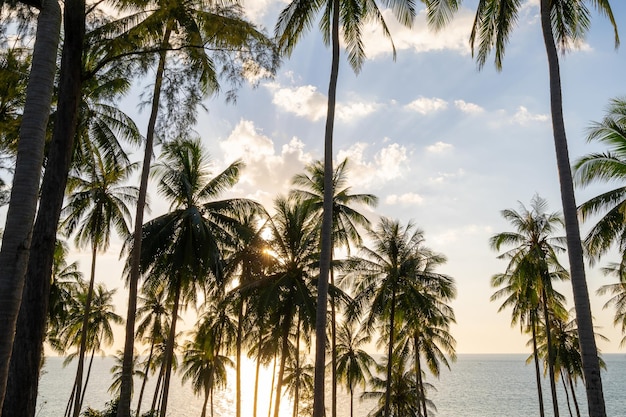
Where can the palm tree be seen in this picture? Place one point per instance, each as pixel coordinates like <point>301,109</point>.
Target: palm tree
<point>116,372</point>
<point>97,204</point>
<point>20,217</point>
<point>605,167</point>
<point>563,22</point>
<point>193,29</point>
<point>344,230</point>
<point>184,244</point>
<point>203,363</point>
<point>533,265</point>
<point>153,324</point>
<point>398,271</point>
<point>618,296</point>
<point>299,382</point>
<point>353,363</point>
<point>293,21</point>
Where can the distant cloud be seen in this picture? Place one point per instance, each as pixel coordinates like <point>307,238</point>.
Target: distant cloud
<point>452,235</point>
<point>256,9</point>
<point>439,147</point>
<point>425,105</point>
<point>405,199</point>
<point>523,116</point>
<point>355,110</point>
<point>420,38</point>
<point>388,164</point>
<point>469,108</point>
<point>443,177</point>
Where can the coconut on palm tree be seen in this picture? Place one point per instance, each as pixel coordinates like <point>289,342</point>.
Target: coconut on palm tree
<point>563,23</point>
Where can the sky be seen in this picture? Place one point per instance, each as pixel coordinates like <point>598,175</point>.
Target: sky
<point>440,142</point>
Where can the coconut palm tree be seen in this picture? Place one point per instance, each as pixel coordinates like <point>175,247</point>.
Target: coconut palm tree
<point>97,205</point>
<point>20,216</point>
<point>533,265</point>
<point>605,167</point>
<point>350,18</point>
<point>195,31</point>
<point>116,372</point>
<point>298,382</point>
<point>563,23</point>
<point>345,228</point>
<point>617,291</point>
<point>393,274</point>
<point>353,363</point>
<point>184,244</point>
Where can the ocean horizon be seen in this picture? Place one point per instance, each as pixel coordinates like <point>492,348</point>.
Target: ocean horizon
<point>477,385</point>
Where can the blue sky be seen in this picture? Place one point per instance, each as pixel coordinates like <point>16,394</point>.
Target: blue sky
<point>438,141</point>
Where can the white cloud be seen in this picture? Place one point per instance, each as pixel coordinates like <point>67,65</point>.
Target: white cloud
<point>469,108</point>
<point>256,9</point>
<point>405,199</point>
<point>388,164</point>
<point>355,110</point>
<point>419,38</point>
<point>439,147</point>
<point>303,101</point>
<point>453,235</point>
<point>523,116</point>
<point>425,105</point>
<point>443,177</point>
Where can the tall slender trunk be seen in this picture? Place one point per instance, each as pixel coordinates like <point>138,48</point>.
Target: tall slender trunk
<point>419,379</point>
<point>238,360</point>
<point>256,377</point>
<point>169,351</point>
<point>31,323</point>
<point>269,406</point>
<point>333,342</point>
<point>205,402</point>
<point>588,349</point>
<point>133,280</point>
<point>571,386</point>
<point>569,405</point>
<point>390,353</point>
<point>351,389</point>
<point>533,325</point>
<point>327,222</point>
<point>145,377</point>
<point>83,333</point>
<point>25,190</point>
<point>296,397</point>
<point>68,407</point>
<point>548,329</point>
<point>157,389</point>
<point>284,353</point>
<point>82,399</point>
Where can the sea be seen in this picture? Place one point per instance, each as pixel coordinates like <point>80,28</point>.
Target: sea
<point>477,385</point>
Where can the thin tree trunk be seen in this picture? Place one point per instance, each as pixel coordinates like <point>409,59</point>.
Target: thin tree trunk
<point>283,360</point>
<point>569,406</point>
<point>419,379</point>
<point>145,377</point>
<point>25,190</point>
<point>588,349</point>
<point>571,385</point>
<point>390,353</point>
<point>327,222</point>
<point>548,329</point>
<point>204,404</point>
<point>133,280</point>
<point>333,342</point>
<point>351,401</point>
<point>296,397</point>
<point>169,350</point>
<point>82,398</point>
<point>238,360</point>
<point>269,407</point>
<point>256,375</point>
<point>32,320</point>
<point>68,407</point>
<point>157,389</point>
<point>533,325</point>
<point>83,333</point>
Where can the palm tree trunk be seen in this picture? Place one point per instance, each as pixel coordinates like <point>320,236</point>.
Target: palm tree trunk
<point>588,349</point>
<point>83,333</point>
<point>157,389</point>
<point>419,379</point>
<point>333,343</point>
<point>82,398</point>
<point>296,397</point>
<point>145,377</point>
<point>238,360</point>
<point>204,404</point>
<point>351,401</point>
<point>569,405</point>
<point>571,386</point>
<point>390,353</point>
<point>123,409</point>
<point>269,406</point>
<point>32,319</point>
<point>169,350</point>
<point>256,377</point>
<point>25,190</point>
<point>327,222</point>
<point>283,360</point>
<point>68,407</point>
<point>548,329</point>
<point>533,325</point>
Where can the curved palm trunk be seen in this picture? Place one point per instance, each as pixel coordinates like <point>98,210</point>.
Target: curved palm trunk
<point>283,360</point>
<point>32,319</point>
<point>571,386</point>
<point>390,353</point>
<point>569,405</point>
<point>533,326</point>
<point>68,407</point>
<point>24,192</point>
<point>83,334</point>
<point>82,398</point>
<point>589,351</point>
<point>157,389</point>
<point>548,328</point>
<point>133,280</point>
<point>169,351</point>
<point>145,377</point>
<point>326,240</point>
